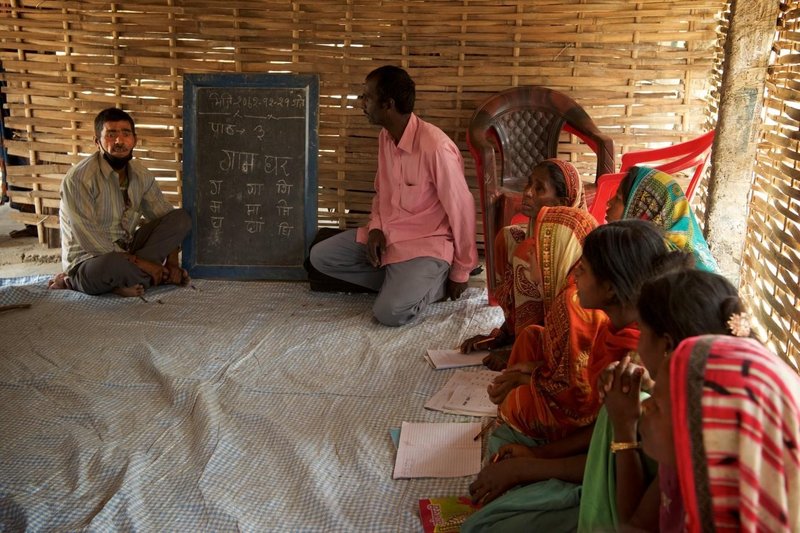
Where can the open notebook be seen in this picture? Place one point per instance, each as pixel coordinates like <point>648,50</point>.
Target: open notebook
<point>465,394</point>
<point>446,449</point>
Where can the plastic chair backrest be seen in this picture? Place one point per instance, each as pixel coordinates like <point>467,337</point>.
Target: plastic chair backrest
<point>523,124</point>
<point>690,154</point>
<point>676,158</point>
<point>509,134</point>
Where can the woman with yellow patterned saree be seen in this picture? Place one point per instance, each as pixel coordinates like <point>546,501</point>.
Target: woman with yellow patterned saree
<point>519,290</point>
<point>568,330</point>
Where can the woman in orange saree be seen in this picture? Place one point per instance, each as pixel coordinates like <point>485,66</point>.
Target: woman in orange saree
<point>548,391</point>
<point>569,330</point>
<point>519,291</point>
<point>548,396</point>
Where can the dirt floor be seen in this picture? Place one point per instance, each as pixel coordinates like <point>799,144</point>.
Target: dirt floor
<point>24,256</point>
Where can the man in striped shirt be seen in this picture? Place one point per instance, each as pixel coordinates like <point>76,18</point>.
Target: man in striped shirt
<point>103,198</point>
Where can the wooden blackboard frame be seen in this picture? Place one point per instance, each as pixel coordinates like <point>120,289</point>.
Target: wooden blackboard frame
<point>192,84</point>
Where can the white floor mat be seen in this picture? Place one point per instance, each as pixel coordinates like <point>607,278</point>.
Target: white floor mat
<point>237,405</point>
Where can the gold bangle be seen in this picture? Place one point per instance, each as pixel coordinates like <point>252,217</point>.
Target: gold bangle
<point>619,446</point>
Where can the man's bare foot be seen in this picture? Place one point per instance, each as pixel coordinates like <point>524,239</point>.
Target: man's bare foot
<point>126,292</point>
<point>59,282</point>
<point>176,275</point>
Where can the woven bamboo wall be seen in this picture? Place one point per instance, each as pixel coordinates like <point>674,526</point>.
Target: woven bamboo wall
<point>643,70</point>
<point>772,247</point>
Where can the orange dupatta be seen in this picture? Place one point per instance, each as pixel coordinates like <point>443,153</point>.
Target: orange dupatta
<point>563,398</point>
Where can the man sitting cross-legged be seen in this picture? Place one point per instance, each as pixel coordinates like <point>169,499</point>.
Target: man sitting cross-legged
<point>103,199</point>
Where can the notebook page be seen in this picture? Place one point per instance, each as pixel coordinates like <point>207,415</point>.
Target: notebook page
<point>441,359</point>
<point>475,382</point>
<point>438,450</point>
<point>472,400</point>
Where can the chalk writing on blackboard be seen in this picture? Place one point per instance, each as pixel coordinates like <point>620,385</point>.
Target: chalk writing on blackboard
<point>251,139</point>
<point>251,173</point>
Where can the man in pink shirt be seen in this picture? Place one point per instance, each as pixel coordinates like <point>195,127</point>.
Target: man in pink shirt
<point>419,245</point>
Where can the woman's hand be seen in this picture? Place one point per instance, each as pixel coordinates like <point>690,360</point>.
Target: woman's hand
<point>477,343</point>
<point>511,451</point>
<point>527,367</point>
<point>622,399</point>
<point>497,338</point>
<point>508,380</point>
<point>607,378</point>
<point>497,359</point>
<point>495,479</point>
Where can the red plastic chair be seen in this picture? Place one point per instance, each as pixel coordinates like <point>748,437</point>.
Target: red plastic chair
<point>509,134</point>
<point>672,159</point>
<point>607,186</point>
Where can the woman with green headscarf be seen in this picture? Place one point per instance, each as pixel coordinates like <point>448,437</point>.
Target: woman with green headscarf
<point>651,194</point>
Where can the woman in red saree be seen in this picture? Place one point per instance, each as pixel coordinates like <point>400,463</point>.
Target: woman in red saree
<point>727,415</point>
<point>620,489</point>
<point>519,291</point>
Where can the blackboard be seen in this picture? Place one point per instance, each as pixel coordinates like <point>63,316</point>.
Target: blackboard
<point>249,174</point>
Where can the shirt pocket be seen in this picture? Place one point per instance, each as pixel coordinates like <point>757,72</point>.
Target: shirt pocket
<point>414,197</point>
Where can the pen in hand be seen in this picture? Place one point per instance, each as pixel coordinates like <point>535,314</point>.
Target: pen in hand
<point>485,428</point>
<point>483,342</point>
<point>497,457</point>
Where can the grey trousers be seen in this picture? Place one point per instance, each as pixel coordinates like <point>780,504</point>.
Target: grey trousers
<point>152,242</point>
<point>404,289</point>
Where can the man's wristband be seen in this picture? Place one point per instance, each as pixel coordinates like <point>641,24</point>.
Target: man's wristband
<point>620,446</point>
